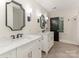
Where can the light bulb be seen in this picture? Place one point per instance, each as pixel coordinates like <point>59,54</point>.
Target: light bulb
<point>29,11</point>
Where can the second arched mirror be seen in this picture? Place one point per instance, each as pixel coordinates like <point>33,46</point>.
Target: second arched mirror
<point>42,22</point>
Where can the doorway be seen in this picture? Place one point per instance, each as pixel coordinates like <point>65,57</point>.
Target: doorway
<point>54,26</point>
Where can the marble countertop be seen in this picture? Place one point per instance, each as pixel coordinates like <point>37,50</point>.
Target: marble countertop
<point>10,44</point>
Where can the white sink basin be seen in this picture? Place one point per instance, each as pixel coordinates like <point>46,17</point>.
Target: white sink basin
<point>31,36</point>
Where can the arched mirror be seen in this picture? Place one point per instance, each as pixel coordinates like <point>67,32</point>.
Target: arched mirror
<point>15,16</point>
<point>42,22</point>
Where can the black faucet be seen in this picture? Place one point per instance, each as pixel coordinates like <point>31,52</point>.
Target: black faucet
<point>19,35</point>
<point>13,36</point>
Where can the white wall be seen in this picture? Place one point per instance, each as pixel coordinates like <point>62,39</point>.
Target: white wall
<point>71,27</point>
<point>31,27</point>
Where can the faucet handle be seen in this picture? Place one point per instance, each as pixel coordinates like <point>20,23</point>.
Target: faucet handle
<point>21,35</point>
<point>13,36</point>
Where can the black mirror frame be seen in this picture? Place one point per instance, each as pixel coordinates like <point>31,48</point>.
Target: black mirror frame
<point>23,15</point>
<point>42,25</point>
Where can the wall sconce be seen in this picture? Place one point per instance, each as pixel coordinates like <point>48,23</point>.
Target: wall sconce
<point>29,12</point>
<point>38,16</point>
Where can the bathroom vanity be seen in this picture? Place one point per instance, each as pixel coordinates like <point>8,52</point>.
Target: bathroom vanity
<point>28,47</point>
<point>47,41</point>
<point>20,45</point>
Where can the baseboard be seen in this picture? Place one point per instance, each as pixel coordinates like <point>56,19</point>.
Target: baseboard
<point>69,42</point>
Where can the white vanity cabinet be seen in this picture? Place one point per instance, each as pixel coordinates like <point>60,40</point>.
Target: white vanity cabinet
<point>10,54</point>
<point>30,50</point>
<point>37,49</point>
<point>24,52</point>
<point>47,41</point>
<point>25,48</point>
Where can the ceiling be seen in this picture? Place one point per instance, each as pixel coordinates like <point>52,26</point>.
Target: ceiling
<point>59,5</point>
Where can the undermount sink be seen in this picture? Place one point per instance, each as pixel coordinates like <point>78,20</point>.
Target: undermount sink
<point>31,36</point>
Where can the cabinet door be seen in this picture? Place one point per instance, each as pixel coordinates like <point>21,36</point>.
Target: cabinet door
<point>24,51</point>
<point>45,42</point>
<point>31,50</point>
<point>37,49</point>
<point>10,54</point>
<point>48,41</point>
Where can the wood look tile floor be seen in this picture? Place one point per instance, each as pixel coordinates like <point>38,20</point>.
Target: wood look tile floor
<point>63,50</point>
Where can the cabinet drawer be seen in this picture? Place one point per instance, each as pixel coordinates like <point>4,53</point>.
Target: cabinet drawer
<point>37,49</point>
